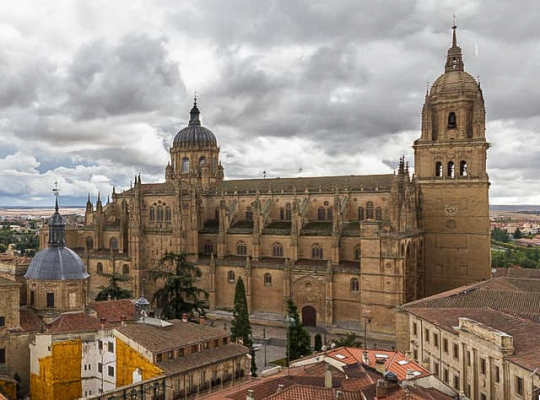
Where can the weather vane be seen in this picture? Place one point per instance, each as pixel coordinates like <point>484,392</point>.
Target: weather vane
<point>264,174</point>
<point>55,190</point>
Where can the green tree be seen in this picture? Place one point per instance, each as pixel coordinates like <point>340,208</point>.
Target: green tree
<point>114,289</point>
<point>350,339</point>
<point>500,235</point>
<point>318,342</point>
<point>240,324</point>
<point>518,234</point>
<point>298,339</point>
<point>179,293</point>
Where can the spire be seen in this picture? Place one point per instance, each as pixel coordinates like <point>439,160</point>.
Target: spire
<point>57,227</point>
<point>454,59</point>
<point>194,113</point>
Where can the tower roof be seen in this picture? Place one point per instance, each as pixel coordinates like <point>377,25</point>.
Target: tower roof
<point>454,58</point>
<point>195,135</point>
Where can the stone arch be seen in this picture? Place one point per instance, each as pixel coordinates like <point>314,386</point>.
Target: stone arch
<point>309,316</point>
<point>309,291</point>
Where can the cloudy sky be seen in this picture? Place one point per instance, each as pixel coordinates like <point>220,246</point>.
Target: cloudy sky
<point>92,92</point>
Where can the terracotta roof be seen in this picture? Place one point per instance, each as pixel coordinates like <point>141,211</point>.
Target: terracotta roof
<point>310,393</point>
<point>202,358</point>
<point>114,311</point>
<point>325,183</point>
<point>76,322</point>
<point>159,339</point>
<point>29,320</point>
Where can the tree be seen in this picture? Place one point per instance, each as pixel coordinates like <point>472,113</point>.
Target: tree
<point>240,324</point>
<point>114,290</point>
<point>318,342</point>
<point>349,340</point>
<point>179,294</point>
<point>518,234</point>
<point>298,340</point>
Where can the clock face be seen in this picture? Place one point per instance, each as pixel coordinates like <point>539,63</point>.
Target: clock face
<point>451,209</point>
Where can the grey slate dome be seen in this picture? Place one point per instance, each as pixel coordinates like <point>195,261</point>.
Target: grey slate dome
<point>57,262</point>
<point>195,135</point>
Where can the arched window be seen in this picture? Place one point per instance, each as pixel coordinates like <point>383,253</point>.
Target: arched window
<point>357,253</point>
<point>249,214</point>
<point>125,269</point>
<point>241,249</point>
<point>267,280</point>
<point>369,210</point>
<point>355,286</point>
<point>451,169</point>
<point>89,243</point>
<point>113,244</point>
<point>152,214</point>
<point>159,214</point>
<point>185,164</point>
<point>463,168</point>
<point>281,214</point>
<point>277,250</point>
<point>378,214</point>
<point>361,213</point>
<point>230,277</point>
<point>99,268</point>
<point>452,123</point>
<point>168,214</point>
<point>321,214</point>
<point>202,161</point>
<point>316,252</point>
<point>208,247</point>
<point>288,212</point>
<point>329,213</point>
<point>438,168</point>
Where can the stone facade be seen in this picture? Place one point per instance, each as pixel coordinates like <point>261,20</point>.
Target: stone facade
<point>343,247</point>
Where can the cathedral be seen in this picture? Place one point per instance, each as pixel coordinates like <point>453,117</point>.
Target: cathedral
<point>346,249</point>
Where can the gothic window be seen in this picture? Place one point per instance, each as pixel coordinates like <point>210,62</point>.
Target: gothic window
<point>113,244</point>
<point>281,214</point>
<point>202,161</point>
<point>357,253</point>
<point>378,213</point>
<point>159,214</point>
<point>452,123</point>
<point>451,169</point>
<point>125,269</point>
<point>168,214</point>
<point>267,280</point>
<point>369,210</point>
<point>230,277</point>
<point>241,249</point>
<point>321,214</point>
<point>185,164</point>
<point>277,250</point>
<point>99,268</point>
<point>288,211</point>
<point>463,168</point>
<point>360,213</point>
<point>355,286</point>
<point>208,248</point>
<point>89,243</point>
<point>249,214</point>
<point>438,168</point>
<point>316,252</point>
<point>152,214</point>
<point>329,213</point>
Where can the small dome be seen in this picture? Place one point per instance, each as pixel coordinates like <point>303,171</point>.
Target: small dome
<point>56,263</point>
<point>455,82</point>
<point>195,135</point>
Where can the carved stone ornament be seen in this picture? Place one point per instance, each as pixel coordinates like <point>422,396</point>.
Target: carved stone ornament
<point>451,209</point>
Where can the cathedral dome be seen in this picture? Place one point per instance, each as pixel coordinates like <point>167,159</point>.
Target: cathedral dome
<point>57,262</point>
<point>195,135</point>
<point>455,82</point>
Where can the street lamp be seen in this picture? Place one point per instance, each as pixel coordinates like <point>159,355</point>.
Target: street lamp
<point>367,320</point>
<point>264,343</point>
<point>289,322</point>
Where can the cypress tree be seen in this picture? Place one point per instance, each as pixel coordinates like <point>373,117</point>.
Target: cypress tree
<point>299,341</point>
<point>240,325</point>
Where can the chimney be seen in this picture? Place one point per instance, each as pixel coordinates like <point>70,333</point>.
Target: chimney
<point>380,366</point>
<point>365,358</point>
<point>380,389</point>
<point>184,317</point>
<point>123,319</point>
<point>250,395</point>
<point>327,377</point>
<point>280,387</point>
<point>202,320</point>
<point>102,322</point>
<point>339,395</point>
<point>409,374</point>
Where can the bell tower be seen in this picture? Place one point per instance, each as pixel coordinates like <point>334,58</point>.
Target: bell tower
<point>450,168</point>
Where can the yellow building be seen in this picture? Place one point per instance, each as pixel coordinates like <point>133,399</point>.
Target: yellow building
<point>346,249</point>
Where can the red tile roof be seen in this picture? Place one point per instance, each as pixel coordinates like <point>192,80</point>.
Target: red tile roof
<point>311,393</point>
<point>114,311</point>
<point>76,322</point>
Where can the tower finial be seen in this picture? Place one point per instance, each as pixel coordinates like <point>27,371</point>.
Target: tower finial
<point>195,98</point>
<point>194,113</point>
<point>454,38</point>
<point>454,58</point>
